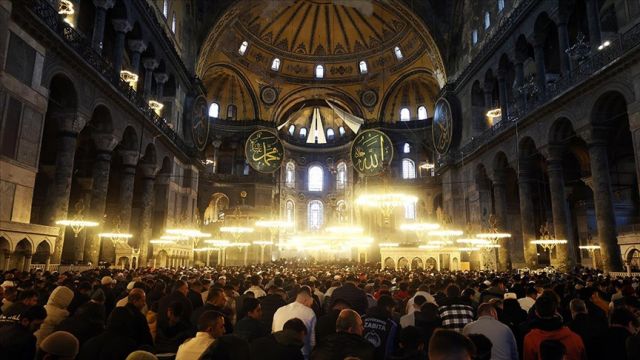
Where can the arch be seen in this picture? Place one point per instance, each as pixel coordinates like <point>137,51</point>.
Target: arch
<point>500,161</point>
<point>422,113</point>
<point>319,71</point>
<point>633,259</point>
<point>560,131</point>
<point>275,64</point>
<point>406,148</point>
<point>149,154</point>
<point>315,214</point>
<point>405,114</point>
<point>227,85</point>
<point>129,139</point>
<point>408,169</point>
<point>431,264</point>
<point>417,86</point>
<point>527,147</point>
<point>330,134</point>
<point>62,94</point>
<point>290,174</point>
<point>608,108</point>
<point>119,10</point>
<point>101,119</point>
<point>545,31</point>
<point>403,263</point>
<point>389,263</point>
<point>217,204</point>
<point>42,253</point>
<point>417,263</point>
<point>315,178</point>
<point>214,110</point>
<point>243,48</point>
<point>162,259</point>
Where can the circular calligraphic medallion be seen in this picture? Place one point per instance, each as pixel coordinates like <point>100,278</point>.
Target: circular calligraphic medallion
<point>371,152</point>
<point>369,98</point>
<point>442,129</point>
<point>263,151</point>
<point>200,122</point>
<point>268,95</point>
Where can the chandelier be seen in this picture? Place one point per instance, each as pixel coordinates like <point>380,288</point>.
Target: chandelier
<point>77,223</point>
<point>546,241</point>
<point>385,202</point>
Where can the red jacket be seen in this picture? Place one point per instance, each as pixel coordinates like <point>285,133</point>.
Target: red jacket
<point>571,341</point>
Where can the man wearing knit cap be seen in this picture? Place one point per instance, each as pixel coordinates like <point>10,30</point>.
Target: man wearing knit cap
<point>56,307</point>
<point>60,345</point>
<point>141,355</point>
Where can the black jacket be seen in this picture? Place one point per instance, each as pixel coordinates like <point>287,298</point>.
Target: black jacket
<point>195,298</point>
<point>17,342</point>
<point>615,339</point>
<point>87,322</point>
<point>270,304</point>
<point>380,331</point>
<point>166,301</point>
<point>140,326</point>
<point>281,345</point>
<point>326,325</point>
<point>250,329</point>
<point>591,330</point>
<point>341,345</point>
<point>353,295</point>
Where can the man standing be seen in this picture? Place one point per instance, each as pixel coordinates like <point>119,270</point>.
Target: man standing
<point>255,288</point>
<point>210,327</point>
<point>216,300</point>
<point>590,329</point>
<point>350,293</point>
<point>347,341</point>
<point>410,318</point>
<point>379,329</point>
<point>301,309</point>
<point>179,295</point>
<point>17,340</point>
<point>504,343</point>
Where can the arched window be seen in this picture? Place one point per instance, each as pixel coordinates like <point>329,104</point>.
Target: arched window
<point>330,134</point>
<point>408,169</point>
<point>363,67</point>
<point>405,115</point>
<point>290,176</point>
<point>422,113</point>
<point>214,110</point>
<point>245,172</point>
<point>487,20</point>
<point>290,211</point>
<point>243,48</point>
<point>275,64</point>
<point>341,176</point>
<point>410,211</point>
<point>474,37</point>
<point>398,53</point>
<point>303,133</point>
<point>292,129</point>
<point>165,8</point>
<point>500,5</point>
<point>173,23</point>
<point>231,112</point>
<point>315,213</point>
<point>406,148</point>
<point>341,130</point>
<point>319,72</point>
<point>315,178</point>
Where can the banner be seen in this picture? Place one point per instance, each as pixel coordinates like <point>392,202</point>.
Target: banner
<point>263,151</point>
<point>371,152</point>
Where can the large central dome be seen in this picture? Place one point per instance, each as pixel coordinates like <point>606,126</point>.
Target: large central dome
<point>328,29</point>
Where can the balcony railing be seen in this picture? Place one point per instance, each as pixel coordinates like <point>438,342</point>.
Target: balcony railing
<point>82,46</point>
<point>580,73</point>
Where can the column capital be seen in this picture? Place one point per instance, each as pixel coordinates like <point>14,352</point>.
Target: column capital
<point>104,4</point>
<point>121,25</point>
<point>161,78</point>
<point>148,170</point>
<point>104,142</point>
<point>150,63</point>
<point>595,135</point>
<point>129,157</point>
<point>137,45</point>
<point>553,152</point>
<point>68,121</point>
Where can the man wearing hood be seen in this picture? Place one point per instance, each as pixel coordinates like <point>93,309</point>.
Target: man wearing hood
<point>379,328</point>
<point>548,326</point>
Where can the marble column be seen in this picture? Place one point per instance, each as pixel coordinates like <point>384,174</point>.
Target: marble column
<point>127,180</point>
<point>565,254</point>
<point>593,18</point>
<point>541,71</point>
<point>137,47</point>
<point>69,126</point>
<point>150,64</point>
<point>500,205</point>
<point>99,22</point>
<point>502,88</point>
<point>216,148</point>
<point>602,196</point>
<point>105,143</point>
<point>122,27</point>
<point>161,79</point>
<point>85,184</point>
<point>527,216</point>
<point>148,181</point>
<point>563,42</point>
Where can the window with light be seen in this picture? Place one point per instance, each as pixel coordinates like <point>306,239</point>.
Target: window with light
<point>406,148</point>
<point>410,211</point>
<point>292,129</point>
<point>405,115</point>
<point>341,176</point>
<point>363,67</point>
<point>290,211</point>
<point>231,112</point>
<point>315,178</point>
<point>315,212</point>
<point>474,37</point>
<point>275,64</point>
<point>214,110</point>
<point>165,8</point>
<point>330,134</point>
<point>408,169</point>
<point>500,5</point>
<point>290,176</point>
<point>243,48</point>
<point>319,72</point>
<point>173,23</point>
<point>422,113</point>
<point>303,133</point>
<point>341,130</point>
<point>487,20</point>
<point>398,53</point>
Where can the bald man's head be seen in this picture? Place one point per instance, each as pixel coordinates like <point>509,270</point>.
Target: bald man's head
<point>304,298</point>
<point>349,321</point>
<point>138,298</point>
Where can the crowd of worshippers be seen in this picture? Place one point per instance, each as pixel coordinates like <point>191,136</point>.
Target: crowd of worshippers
<point>317,311</point>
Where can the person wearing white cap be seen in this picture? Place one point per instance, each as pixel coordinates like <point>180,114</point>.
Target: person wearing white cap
<point>56,307</point>
<point>60,345</point>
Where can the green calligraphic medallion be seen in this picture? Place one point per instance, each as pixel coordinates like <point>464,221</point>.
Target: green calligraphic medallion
<point>263,151</point>
<point>371,152</point>
<point>200,122</point>
<point>442,129</point>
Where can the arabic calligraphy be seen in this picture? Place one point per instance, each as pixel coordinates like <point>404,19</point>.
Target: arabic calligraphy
<point>442,131</point>
<point>263,151</point>
<point>371,151</point>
